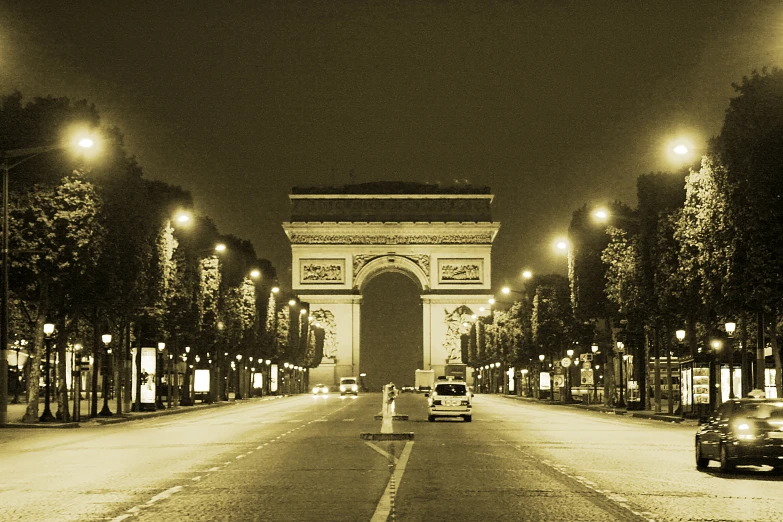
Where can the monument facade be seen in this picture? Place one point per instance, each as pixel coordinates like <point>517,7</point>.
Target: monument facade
<point>343,237</point>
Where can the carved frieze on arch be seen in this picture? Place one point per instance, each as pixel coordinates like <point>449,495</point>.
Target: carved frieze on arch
<point>366,266</point>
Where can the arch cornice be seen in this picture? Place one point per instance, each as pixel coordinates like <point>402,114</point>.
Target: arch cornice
<point>391,263</point>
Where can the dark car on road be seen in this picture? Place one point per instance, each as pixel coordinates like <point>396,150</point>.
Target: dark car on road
<point>743,432</point>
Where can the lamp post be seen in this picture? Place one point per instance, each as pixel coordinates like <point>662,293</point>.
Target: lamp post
<point>594,349</point>
<point>186,401</point>
<point>238,394</point>
<point>105,411</point>
<point>47,413</point>
<point>159,376</point>
<point>570,354</point>
<point>541,361</point>
<point>267,384</point>
<point>5,155</point>
<point>620,351</point>
<point>169,379</point>
<point>730,328</point>
<point>715,391</point>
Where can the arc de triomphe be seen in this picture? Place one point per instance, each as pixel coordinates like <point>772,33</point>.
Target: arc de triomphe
<point>342,237</point>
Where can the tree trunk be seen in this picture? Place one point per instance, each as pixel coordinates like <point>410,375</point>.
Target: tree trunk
<point>119,374</point>
<point>96,365</point>
<point>773,339</point>
<point>63,411</point>
<point>127,367</point>
<point>34,374</point>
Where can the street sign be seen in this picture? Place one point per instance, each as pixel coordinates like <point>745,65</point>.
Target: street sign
<point>587,377</point>
<point>585,356</point>
<point>566,362</point>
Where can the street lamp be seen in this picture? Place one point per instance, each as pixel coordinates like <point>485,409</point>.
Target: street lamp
<point>730,328</point>
<point>594,349</point>
<point>621,350</point>
<point>158,371</point>
<point>47,413</point>
<point>267,385</point>
<point>716,393</point>
<point>238,394</point>
<point>186,401</point>
<point>105,411</point>
<point>23,155</point>
<point>541,361</point>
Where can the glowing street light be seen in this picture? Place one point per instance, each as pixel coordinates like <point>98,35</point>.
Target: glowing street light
<point>527,274</point>
<point>79,142</point>
<point>105,411</point>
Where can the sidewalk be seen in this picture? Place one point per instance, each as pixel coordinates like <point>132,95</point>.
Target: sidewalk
<point>16,413</point>
<point>641,414</point>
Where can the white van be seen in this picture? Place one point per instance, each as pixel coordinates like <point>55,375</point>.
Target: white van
<point>349,385</point>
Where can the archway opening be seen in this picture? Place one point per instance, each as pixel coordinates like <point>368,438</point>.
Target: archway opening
<point>391,331</point>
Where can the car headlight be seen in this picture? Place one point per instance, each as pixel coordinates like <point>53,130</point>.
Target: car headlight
<point>342,388</point>
<point>744,431</point>
<point>354,388</point>
<point>315,390</point>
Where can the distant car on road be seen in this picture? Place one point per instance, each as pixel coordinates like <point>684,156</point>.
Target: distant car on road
<point>450,399</point>
<point>349,385</point>
<point>320,389</point>
<point>743,432</point>
<point>407,389</point>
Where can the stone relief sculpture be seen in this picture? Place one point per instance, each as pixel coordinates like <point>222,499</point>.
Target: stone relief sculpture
<point>322,271</point>
<point>455,329</point>
<point>325,319</point>
<point>460,270</point>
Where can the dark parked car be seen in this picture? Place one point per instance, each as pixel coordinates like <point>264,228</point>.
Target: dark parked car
<point>743,432</point>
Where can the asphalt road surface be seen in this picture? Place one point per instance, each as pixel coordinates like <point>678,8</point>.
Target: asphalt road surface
<point>303,458</point>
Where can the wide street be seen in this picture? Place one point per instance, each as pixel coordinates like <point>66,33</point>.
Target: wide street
<point>303,458</point>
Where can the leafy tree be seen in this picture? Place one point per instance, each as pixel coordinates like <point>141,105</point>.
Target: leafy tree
<point>750,145</point>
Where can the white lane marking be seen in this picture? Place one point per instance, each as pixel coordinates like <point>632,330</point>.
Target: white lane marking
<point>608,494</point>
<point>386,454</point>
<point>348,420</point>
<point>383,509</point>
<point>227,463</point>
<point>259,447</point>
<point>196,479</point>
<point>213,469</point>
<point>239,457</point>
<point>121,517</point>
<point>164,495</point>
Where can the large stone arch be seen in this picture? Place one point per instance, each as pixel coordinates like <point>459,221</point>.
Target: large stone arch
<point>343,237</point>
<point>376,265</point>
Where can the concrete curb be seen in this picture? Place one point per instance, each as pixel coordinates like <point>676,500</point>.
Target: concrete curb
<point>606,409</point>
<point>128,417</point>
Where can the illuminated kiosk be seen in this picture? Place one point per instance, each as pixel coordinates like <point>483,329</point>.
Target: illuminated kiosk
<point>342,237</point>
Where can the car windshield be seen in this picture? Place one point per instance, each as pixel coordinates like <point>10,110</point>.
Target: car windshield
<point>761,410</point>
<point>349,381</point>
<point>450,389</point>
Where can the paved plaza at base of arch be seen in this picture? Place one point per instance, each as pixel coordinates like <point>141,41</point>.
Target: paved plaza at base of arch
<point>343,237</point>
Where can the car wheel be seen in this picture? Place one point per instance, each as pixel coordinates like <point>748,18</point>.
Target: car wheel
<point>701,461</point>
<point>468,418</point>
<point>431,418</point>
<point>726,465</point>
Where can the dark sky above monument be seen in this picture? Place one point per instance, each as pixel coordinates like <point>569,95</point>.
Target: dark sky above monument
<point>551,104</point>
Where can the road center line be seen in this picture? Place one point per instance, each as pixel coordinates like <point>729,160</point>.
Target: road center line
<point>383,509</point>
<point>386,454</point>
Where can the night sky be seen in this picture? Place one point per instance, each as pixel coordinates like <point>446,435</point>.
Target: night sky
<point>551,104</point>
